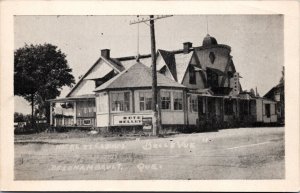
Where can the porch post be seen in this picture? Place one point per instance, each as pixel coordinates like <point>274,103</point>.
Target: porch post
<point>63,118</point>
<point>237,111</point>
<point>206,106</point>
<point>51,118</point>
<point>222,109</point>
<point>248,106</point>
<point>74,113</point>
<point>238,108</point>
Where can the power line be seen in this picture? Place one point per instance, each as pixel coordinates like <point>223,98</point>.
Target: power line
<point>155,106</point>
<point>143,20</point>
<point>206,24</point>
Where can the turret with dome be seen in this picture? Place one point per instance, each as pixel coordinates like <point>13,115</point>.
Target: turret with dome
<point>209,40</point>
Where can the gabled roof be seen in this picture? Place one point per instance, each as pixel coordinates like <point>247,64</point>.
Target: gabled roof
<point>119,64</point>
<point>110,62</point>
<point>131,61</point>
<point>177,62</point>
<point>169,59</point>
<point>137,76</point>
<point>182,63</point>
<point>270,93</point>
<point>99,71</point>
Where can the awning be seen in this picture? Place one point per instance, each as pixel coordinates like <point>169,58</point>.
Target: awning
<point>196,68</point>
<point>217,71</point>
<point>202,92</point>
<point>75,98</point>
<point>221,90</point>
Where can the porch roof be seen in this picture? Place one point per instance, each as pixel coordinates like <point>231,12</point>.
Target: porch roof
<point>202,92</point>
<point>74,98</point>
<point>217,71</point>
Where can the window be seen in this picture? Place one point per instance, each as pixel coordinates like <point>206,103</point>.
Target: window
<point>192,73</point>
<point>212,57</point>
<point>163,70</point>
<point>193,103</point>
<point>201,105</point>
<point>120,101</point>
<point>212,78</point>
<point>86,109</point>
<point>178,100</point>
<point>87,121</point>
<point>267,110</point>
<point>165,98</point>
<point>230,76</point>
<point>145,101</point>
<point>228,107</point>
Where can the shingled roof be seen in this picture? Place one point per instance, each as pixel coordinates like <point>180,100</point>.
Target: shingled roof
<point>137,76</point>
<point>169,59</point>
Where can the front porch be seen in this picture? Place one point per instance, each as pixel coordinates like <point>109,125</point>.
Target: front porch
<point>217,112</point>
<point>73,112</point>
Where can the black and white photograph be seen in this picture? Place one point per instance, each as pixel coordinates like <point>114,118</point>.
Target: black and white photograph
<point>131,97</point>
<point>213,109</point>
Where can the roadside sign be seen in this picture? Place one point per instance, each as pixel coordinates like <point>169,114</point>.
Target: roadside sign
<point>147,124</point>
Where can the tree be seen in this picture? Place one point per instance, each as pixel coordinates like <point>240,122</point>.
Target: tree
<point>19,117</point>
<point>40,71</point>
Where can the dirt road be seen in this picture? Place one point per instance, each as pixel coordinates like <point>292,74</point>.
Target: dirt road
<point>245,153</point>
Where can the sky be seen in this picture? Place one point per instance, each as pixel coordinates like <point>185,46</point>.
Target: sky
<point>256,41</point>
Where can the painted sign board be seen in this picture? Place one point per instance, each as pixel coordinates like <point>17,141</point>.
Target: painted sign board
<point>133,119</point>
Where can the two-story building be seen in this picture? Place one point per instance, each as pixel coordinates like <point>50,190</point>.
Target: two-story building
<point>198,86</point>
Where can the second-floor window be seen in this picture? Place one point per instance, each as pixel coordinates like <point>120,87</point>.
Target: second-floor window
<point>212,57</point>
<point>192,73</point>
<point>212,78</point>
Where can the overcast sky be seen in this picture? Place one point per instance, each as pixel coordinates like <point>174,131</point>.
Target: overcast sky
<point>256,41</point>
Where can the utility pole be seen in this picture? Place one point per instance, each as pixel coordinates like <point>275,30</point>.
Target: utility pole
<point>156,123</point>
<point>155,107</point>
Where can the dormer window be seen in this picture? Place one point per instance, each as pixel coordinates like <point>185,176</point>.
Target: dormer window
<point>163,70</point>
<point>212,78</point>
<point>192,73</point>
<point>212,57</point>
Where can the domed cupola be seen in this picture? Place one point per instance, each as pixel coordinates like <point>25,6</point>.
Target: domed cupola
<point>209,41</point>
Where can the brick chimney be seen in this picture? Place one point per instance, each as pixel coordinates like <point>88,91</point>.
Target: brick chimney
<point>186,47</point>
<point>105,53</point>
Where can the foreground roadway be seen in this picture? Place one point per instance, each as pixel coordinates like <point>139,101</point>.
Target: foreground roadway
<point>244,153</point>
